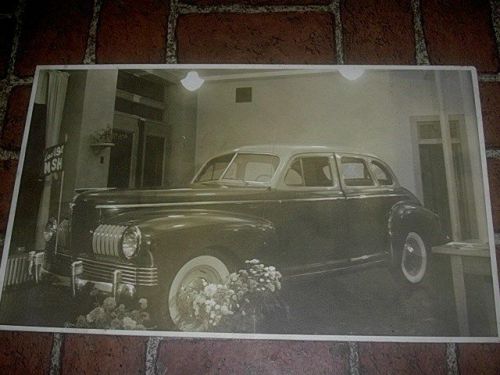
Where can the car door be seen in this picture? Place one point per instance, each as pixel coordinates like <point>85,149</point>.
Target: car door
<point>310,217</point>
<point>367,226</point>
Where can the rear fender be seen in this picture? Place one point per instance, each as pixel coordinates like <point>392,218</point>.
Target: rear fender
<point>410,217</point>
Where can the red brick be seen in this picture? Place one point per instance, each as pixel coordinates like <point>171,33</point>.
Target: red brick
<point>258,2</point>
<point>460,32</point>
<point>490,106</point>
<point>306,38</point>
<point>182,356</point>
<point>6,35</point>
<point>479,359</point>
<point>494,181</point>
<point>25,353</point>
<point>54,32</point>
<point>132,31</point>
<point>8,170</point>
<point>103,354</point>
<point>17,108</point>
<point>378,33</point>
<point>400,359</point>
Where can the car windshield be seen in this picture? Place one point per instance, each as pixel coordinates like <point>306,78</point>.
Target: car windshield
<point>241,168</point>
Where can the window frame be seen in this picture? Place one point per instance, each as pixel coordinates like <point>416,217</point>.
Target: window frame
<point>333,170</point>
<point>384,168</point>
<point>367,160</point>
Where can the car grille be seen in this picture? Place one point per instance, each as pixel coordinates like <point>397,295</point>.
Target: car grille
<point>106,239</point>
<point>102,271</point>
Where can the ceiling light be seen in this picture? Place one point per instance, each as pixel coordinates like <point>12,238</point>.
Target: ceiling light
<point>351,72</point>
<point>192,81</point>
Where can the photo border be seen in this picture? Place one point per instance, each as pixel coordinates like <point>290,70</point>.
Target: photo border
<point>259,336</point>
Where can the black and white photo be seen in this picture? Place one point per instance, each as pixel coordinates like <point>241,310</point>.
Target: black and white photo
<point>282,202</point>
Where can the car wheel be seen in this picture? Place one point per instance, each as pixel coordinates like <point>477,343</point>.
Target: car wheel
<point>414,258</point>
<point>205,267</point>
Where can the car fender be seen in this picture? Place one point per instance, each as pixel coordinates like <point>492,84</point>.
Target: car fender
<point>407,217</point>
<point>175,235</point>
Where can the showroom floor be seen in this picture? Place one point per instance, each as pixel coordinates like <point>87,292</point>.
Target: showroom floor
<point>334,304</point>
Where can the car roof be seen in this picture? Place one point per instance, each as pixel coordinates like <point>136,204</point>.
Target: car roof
<point>285,151</point>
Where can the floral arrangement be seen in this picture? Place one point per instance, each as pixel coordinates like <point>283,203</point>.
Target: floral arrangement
<point>238,303</point>
<point>110,315</point>
<point>104,135</point>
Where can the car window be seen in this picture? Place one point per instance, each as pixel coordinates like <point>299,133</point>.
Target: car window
<point>214,168</point>
<point>310,171</point>
<point>381,174</point>
<point>251,168</point>
<point>294,176</point>
<point>355,172</point>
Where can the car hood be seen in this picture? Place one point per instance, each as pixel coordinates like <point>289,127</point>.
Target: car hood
<point>192,194</point>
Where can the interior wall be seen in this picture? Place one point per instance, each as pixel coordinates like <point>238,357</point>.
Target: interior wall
<point>370,114</point>
<point>89,107</point>
<point>181,117</point>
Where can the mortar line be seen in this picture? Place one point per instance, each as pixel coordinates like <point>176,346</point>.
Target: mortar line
<point>5,84</point>
<point>171,47</point>
<point>90,53</point>
<point>339,36</point>
<point>55,355</point>
<point>421,54</point>
<point>250,9</point>
<point>151,355</point>
<point>495,19</point>
<point>15,40</point>
<point>451,359</point>
<point>493,153</point>
<point>353,358</point>
<point>489,77</point>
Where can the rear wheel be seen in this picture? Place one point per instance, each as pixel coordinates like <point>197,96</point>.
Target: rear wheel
<point>206,268</point>
<point>414,258</point>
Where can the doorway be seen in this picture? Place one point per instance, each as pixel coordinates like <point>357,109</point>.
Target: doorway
<point>434,184</point>
<point>120,162</point>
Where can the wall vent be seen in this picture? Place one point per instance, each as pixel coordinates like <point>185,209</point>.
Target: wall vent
<point>243,95</point>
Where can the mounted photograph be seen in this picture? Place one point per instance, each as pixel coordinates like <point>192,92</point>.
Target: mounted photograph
<point>241,201</point>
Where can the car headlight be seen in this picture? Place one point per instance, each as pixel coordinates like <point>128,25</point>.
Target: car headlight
<point>50,229</point>
<point>131,241</point>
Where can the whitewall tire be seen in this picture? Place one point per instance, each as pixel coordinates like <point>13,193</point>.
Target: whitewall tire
<point>204,267</point>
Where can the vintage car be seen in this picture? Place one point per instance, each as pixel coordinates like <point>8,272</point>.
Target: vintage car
<point>305,210</point>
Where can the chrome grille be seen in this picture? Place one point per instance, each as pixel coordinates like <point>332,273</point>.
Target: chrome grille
<point>94,270</point>
<point>106,239</point>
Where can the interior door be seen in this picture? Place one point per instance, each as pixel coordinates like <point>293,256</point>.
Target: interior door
<point>153,161</point>
<point>120,159</point>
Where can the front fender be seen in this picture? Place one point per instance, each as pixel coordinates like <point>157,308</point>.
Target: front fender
<point>410,217</point>
<point>176,235</point>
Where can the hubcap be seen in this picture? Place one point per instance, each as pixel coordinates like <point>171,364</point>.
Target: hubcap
<point>191,277</point>
<point>414,258</point>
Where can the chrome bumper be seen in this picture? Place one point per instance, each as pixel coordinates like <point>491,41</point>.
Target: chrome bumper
<point>116,287</point>
<point>110,277</point>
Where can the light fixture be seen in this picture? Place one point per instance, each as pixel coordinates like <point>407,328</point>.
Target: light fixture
<point>192,81</point>
<point>351,72</point>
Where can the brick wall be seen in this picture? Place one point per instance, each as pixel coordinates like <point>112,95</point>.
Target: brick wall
<point>451,32</point>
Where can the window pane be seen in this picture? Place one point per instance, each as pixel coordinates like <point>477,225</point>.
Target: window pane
<point>294,175</point>
<point>252,168</point>
<point>381,174</point>
<point>317,171</point>
<point>355,173</point>
<point>214,168</point>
